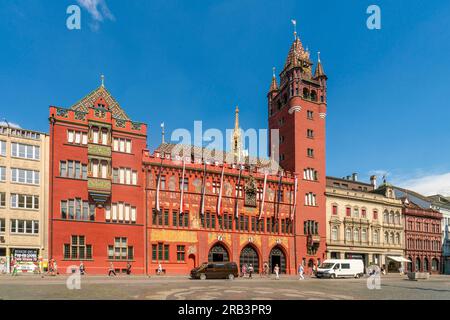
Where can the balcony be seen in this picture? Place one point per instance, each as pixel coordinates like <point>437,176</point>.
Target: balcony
<point>99,189</point>
<point>99,150</point>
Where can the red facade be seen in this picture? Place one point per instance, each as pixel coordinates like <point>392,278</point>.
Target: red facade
<point>103,193</point>
<point>96,164</point>
<point>422,238</point>
<point>297,108</point>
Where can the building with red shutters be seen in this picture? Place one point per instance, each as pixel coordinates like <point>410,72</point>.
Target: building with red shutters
<point>97,207</point>
<point>297,108</point>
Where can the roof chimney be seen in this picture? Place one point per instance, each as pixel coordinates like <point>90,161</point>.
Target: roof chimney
<point>355,177</point>
<point>373,181</point>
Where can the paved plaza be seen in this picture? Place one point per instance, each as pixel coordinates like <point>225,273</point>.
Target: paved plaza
<point>182,288</point>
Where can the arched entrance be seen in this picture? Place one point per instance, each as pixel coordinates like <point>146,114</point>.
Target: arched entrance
<point>249,256</point>
<point>410,265</point>
<point>425,265</point>
<point>417,264</point>
<point>277,257</point>
<point>218,253</point>
<point>191,261</point>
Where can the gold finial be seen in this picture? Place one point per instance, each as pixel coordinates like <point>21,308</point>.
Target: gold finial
<point>294,22</point>
<point>103,80</point>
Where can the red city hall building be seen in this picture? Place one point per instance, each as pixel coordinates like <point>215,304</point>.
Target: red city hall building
<point>114,201</point>
<point>423,237</point>
<point>97,207</point>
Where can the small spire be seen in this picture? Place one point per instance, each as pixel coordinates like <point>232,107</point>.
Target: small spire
<point>273,85</point>
<point>103,80</point>
<point>236,118</point>
<point>319,68</point>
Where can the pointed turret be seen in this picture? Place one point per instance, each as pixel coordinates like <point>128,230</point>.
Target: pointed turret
<point>236,147</point>
<point>274,84</point>
<point>319,69</point>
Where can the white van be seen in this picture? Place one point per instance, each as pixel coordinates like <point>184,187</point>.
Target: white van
<point>340,268</point>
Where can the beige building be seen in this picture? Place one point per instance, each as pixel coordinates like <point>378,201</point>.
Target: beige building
<point>24,164</point>
<point>362,224</point>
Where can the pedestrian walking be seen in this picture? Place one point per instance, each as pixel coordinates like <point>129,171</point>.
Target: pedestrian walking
<point>277,272</point>
<point>82,268</point>
<point>244,270</point>
<point>55,267</point>
<point>128,268</point>
<point>250,271</point>
<point>14,266</point>
<point>301,271</point>
<point>111,270</point>
<point>160,269</point>
<point>266,269</point>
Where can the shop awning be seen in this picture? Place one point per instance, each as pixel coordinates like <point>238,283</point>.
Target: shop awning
<point>398,259</point>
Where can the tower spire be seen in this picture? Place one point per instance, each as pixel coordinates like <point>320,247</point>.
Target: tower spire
<point>236,147</point>
<point>273,85</point>
<point>162,133</point>
<point>319,68</point>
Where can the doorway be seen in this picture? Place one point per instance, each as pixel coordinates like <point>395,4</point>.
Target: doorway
<point>218,254</point>
<point>277,257</point>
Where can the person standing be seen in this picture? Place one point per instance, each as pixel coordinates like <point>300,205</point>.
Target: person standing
<point>160,269</point>
<point>266,269</point>
<point>301,270</point>
<point>55,267</point>
<point>128,268</point>
<point>250,271</point>
<point>14,264</point>
<point>244,270</point>
<point>82,268</point>
<point>277,272</point>
<point>111,270</point>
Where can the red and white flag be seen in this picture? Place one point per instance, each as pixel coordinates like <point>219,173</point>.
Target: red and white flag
<point>261,208</point>
<point>158,186</point>
<point>238,190</point>
<point>219,202</point>
<point>182,188</point>
<point>295,199</point>
<point>202,204</point>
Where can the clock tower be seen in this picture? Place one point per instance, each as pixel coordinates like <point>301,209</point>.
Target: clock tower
<point>297,108</point>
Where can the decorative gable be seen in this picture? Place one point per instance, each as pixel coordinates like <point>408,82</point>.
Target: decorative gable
<point>101,96</point>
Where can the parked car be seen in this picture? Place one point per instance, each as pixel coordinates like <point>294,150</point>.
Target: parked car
<point>340,268</point>
<point>215,270</point>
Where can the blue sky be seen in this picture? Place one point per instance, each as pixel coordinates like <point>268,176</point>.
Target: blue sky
<point>180,61</point>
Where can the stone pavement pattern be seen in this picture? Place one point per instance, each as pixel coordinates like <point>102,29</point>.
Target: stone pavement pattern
<point>182,288</point>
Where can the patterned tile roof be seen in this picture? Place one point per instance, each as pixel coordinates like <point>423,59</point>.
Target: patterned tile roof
<point>216,155</point>
<point>101,92</point>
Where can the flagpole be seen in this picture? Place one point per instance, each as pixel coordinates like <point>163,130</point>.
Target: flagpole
<point>219,203</point>
<point>202,204</point>
<point>238,191</point>
<point>261,208</point>
<point>182,187</point>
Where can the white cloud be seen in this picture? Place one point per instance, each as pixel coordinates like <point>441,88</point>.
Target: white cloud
<point>428,184</point>
<point>7,123</point>
<point>98,10</point>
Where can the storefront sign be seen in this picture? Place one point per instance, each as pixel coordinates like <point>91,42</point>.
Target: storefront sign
<point>25,255</point>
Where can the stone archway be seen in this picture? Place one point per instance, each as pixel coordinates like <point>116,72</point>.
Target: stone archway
<point>277,256</point>
<point>218,253</point>
<point>248,256</point>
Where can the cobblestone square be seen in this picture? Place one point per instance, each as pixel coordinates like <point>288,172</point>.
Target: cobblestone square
<point>181,288</point>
